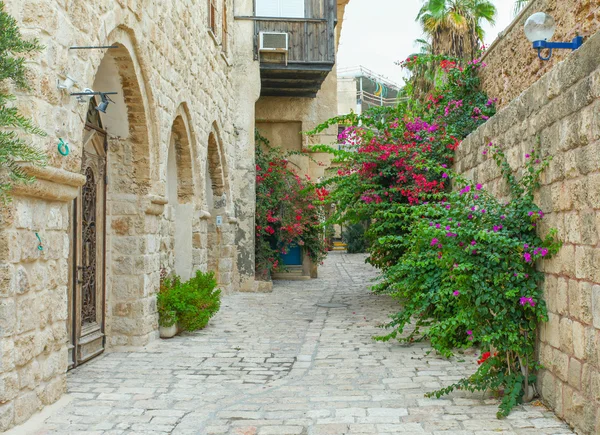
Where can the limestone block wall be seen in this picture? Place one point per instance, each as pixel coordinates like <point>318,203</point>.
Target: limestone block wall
<point>173,77</point>
<point>513,65</point>
<point>562,111</point>
<point>33,308</point>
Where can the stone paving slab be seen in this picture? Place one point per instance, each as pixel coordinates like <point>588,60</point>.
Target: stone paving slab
<point>276,364</point>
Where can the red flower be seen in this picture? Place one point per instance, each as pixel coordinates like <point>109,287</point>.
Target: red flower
<point>485,357</point>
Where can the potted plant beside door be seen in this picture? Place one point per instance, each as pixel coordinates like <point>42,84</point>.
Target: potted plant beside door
<point>166,306</point>
<point>187,306</point>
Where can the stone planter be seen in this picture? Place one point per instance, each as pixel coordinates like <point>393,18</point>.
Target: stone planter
<point>168,331</point>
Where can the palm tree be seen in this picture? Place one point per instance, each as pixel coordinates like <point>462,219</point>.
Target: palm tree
<point>422,74</point>
<point>519,5</point>
<point>454,26</point>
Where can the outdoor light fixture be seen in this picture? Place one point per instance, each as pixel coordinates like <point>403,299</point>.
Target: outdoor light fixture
<point>103,95</point>
<point>105,102</point>
<point>539,28</point>
<point>87,92</point>
<point>67,83</point>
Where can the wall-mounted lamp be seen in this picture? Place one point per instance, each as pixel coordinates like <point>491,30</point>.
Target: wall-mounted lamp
<point>67,83</point>
<point>539,28</point>
<point>103,95</point>
<point>105,102</point>
<point>87,92</point>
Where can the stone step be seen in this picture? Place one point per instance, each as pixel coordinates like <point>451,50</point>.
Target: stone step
<point>287,277</point>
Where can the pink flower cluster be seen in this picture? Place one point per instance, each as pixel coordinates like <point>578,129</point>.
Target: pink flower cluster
<point>452,105</point>
<point>525,300</point>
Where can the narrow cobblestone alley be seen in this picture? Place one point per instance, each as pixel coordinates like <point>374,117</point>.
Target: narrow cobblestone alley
<point>280,364</point>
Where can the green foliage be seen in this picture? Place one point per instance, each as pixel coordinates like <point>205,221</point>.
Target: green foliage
<point>387,153</point>
<point>460,262</point>
<point>190,304</point>
<point>463,268</point>
<point>13,147</point>
<point>454,27</point>
<point>289,211</point>
<point>354,237</point>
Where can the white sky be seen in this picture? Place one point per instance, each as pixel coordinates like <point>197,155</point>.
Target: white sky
<point>376,33</point>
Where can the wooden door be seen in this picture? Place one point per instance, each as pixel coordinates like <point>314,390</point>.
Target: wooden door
<point>88,259</point>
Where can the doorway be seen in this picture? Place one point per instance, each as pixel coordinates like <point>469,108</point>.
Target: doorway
<point>87,301</point>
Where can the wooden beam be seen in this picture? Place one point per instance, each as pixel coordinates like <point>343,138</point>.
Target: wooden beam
<point>287,93</point>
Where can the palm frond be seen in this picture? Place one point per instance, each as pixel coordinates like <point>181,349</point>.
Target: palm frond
<point>519,5</point>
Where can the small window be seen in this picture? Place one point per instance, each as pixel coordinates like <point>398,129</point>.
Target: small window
<point>280,8</point>
<point>212,16</point>
<point>224,36</point>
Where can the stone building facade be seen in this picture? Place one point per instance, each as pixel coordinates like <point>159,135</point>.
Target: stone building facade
<point>561,110</point>
<point>512,69</point>
<point>163,181</point>
<point>282,120</point>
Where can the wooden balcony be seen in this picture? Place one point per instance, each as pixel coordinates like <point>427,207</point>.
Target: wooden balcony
<point>311,51</point>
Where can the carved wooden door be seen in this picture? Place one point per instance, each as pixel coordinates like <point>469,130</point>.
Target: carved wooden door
<point>88,295</point>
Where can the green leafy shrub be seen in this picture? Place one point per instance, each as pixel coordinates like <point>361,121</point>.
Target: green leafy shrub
<point>354,237</point>
<point>190,304</point>
<point>465,273</point>
<point>461,263</point>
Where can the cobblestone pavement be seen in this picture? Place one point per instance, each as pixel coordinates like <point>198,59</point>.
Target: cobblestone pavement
<point>279,364</point>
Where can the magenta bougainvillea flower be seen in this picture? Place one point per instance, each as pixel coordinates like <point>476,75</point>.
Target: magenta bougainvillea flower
<point>527,301</point>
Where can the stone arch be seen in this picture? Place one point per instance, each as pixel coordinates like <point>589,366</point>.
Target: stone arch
<point>217,172</point>
<point>182,142</point>
<point>127,119</point>
<point>180,196</point>
<point>219,238</point>
<point>132,255</point>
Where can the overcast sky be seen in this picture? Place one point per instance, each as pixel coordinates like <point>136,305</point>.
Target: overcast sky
<point>376,33</point>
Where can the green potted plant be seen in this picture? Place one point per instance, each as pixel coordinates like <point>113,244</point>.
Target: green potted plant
<point>189,305</point>
<point>165,304</point>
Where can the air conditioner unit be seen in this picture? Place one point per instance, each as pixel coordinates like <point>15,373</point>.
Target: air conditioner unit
<point>273,41</point>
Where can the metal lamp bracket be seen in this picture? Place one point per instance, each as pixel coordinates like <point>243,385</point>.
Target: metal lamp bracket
<point>542,45</point>
<point>92,47</point>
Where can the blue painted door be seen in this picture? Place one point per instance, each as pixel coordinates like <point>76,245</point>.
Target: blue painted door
<point>293,256</point>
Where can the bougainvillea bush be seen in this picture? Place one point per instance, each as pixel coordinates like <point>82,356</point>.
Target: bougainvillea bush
<point>460,262</point>
<point>387,153</point>
<point>289,211</point>
<point>467,276</point>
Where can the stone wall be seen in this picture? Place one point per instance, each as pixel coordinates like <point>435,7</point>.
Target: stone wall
<point>173,77</point>
<point>513,65</point>
<point>562,111</point>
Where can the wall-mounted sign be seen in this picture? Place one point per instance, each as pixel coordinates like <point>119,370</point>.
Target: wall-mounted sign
<point>219,221</point>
